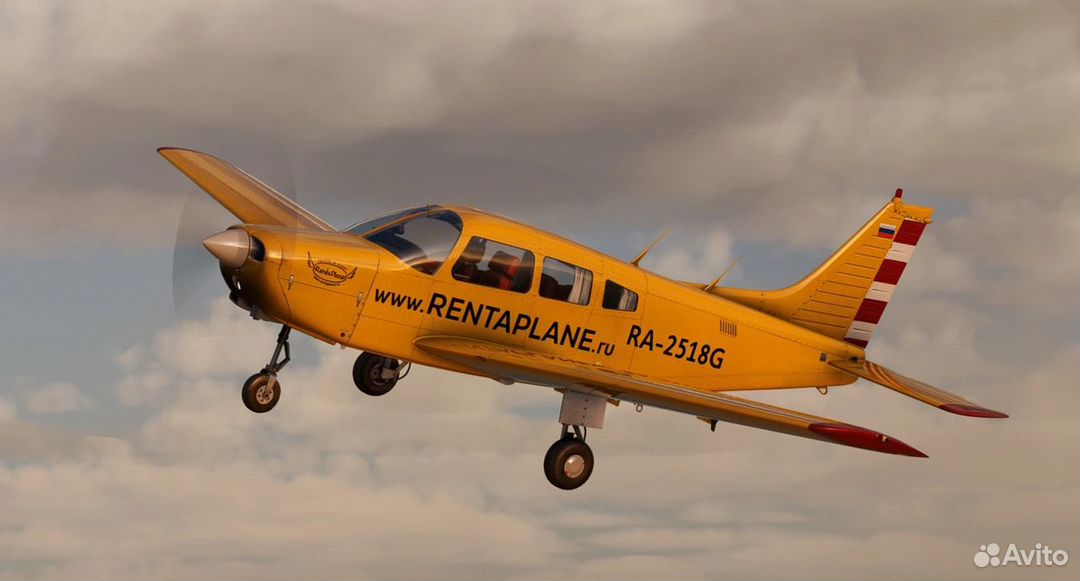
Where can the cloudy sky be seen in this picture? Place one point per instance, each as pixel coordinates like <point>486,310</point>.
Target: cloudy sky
<point>762,130</point>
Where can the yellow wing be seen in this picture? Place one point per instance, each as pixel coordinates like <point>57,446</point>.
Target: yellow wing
<point>502,362</point>
<point>914,388</point>
<point>246,197</point>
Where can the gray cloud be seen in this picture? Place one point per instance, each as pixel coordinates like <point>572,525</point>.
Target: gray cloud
<point>684,112</point>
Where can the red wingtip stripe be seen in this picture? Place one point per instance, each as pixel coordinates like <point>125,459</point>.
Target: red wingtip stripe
<point>889,272</point>
<point>870,311</point>
<point>972,411</point>
<point>909,232</point>
<point>860,342</point>
<point>857,437</point>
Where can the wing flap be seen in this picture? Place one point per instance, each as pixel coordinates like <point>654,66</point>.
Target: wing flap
<point>504,362</point>
<point>916,389</point>
<point>245,196</point>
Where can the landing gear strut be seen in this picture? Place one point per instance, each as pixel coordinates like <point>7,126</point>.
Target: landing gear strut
<point>376,375</point>
<point>262,391</point>
<point>569,461</point>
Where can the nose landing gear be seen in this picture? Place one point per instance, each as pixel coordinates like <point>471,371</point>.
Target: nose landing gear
<point>262,391</point>
<point>376,375</point>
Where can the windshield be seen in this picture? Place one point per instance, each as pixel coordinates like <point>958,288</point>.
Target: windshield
<point>422,242</point>
<point>369,225</point>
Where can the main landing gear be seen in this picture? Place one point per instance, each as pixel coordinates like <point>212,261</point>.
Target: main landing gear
<point>376,375</point>
<point>569,461</point>
<point>262,391</point>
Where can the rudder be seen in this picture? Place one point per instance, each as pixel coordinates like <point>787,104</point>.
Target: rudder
<point>845,297</point>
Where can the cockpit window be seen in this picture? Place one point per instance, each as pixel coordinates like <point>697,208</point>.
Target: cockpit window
<point>369,225</point>
<point>422,242</point>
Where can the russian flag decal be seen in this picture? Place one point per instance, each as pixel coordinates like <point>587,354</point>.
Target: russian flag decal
<point>886,231</point>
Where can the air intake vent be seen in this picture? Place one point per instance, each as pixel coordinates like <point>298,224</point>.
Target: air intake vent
<point>729,328</point>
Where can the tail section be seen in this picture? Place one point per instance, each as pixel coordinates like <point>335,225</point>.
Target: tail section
<point>845,297</point>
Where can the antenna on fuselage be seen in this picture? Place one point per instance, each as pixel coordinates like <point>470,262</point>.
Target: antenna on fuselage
<point>717,280</point>
<point>642,254</point>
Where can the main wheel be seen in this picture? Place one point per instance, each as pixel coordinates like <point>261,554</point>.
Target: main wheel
<point>367,374</point>
<point>258,395</point>
<point>568,463</point>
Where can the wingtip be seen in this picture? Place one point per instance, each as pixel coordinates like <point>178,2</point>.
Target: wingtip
<point>164,150</point>
<point>972,411</point>
<point>857,437</point>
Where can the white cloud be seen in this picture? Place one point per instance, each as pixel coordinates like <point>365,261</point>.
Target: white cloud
<point>54,398</point>
<point>442,478</point>
<point>7,409</point>
<point>693,258</point>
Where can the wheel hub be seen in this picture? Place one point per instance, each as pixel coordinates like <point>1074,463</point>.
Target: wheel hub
<point>574,466</point>
<point>376,375</point>
<point>264,394</point>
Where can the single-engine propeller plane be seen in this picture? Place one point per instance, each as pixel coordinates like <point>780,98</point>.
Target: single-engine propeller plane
<point>469,291</point>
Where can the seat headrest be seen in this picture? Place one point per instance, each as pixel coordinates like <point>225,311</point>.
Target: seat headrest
<point>503,263</point>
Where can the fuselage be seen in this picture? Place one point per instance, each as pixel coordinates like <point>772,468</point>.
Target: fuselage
<point>539,292</point>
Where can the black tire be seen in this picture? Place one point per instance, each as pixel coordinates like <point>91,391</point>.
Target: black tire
<point>568,463</point>
<point>367,375</point>
<point>258,396</point>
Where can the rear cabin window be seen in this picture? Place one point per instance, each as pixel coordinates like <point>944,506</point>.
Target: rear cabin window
<point>422,242</point>
<point>619,298</point>
<point>489,263</point>
<point>565,282</point>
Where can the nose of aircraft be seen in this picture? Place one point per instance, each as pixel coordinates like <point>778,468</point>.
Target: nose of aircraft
<point>231,247</point>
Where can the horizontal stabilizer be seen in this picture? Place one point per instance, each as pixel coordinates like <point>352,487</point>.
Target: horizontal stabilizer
<point>914,388</point>
<point>247,198</point>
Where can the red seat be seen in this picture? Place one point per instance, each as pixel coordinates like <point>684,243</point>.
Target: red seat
<point>501,270</point>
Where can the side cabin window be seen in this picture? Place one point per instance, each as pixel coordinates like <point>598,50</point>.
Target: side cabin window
<point>422,242</point>
<point>619,298</point>
<point>489,263</point>
<point>565,282</point>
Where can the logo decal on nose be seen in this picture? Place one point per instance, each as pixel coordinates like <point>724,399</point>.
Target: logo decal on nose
<point>329,272</point>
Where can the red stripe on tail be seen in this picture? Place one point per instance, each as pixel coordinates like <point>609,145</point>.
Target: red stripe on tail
<point>870,311</point>
<point>889,272</point>
<point>909,232</point>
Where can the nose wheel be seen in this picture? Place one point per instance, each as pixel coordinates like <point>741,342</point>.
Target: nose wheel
<point>262,391</point>
<point>376,375</point>
<point>569,461</point>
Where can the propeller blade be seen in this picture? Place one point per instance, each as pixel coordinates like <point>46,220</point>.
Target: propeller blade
<point>196,273</point>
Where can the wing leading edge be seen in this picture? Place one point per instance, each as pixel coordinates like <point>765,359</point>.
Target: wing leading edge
<point>504,362</point>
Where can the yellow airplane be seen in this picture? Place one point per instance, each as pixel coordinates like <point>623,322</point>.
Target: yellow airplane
<point>469,291</point>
